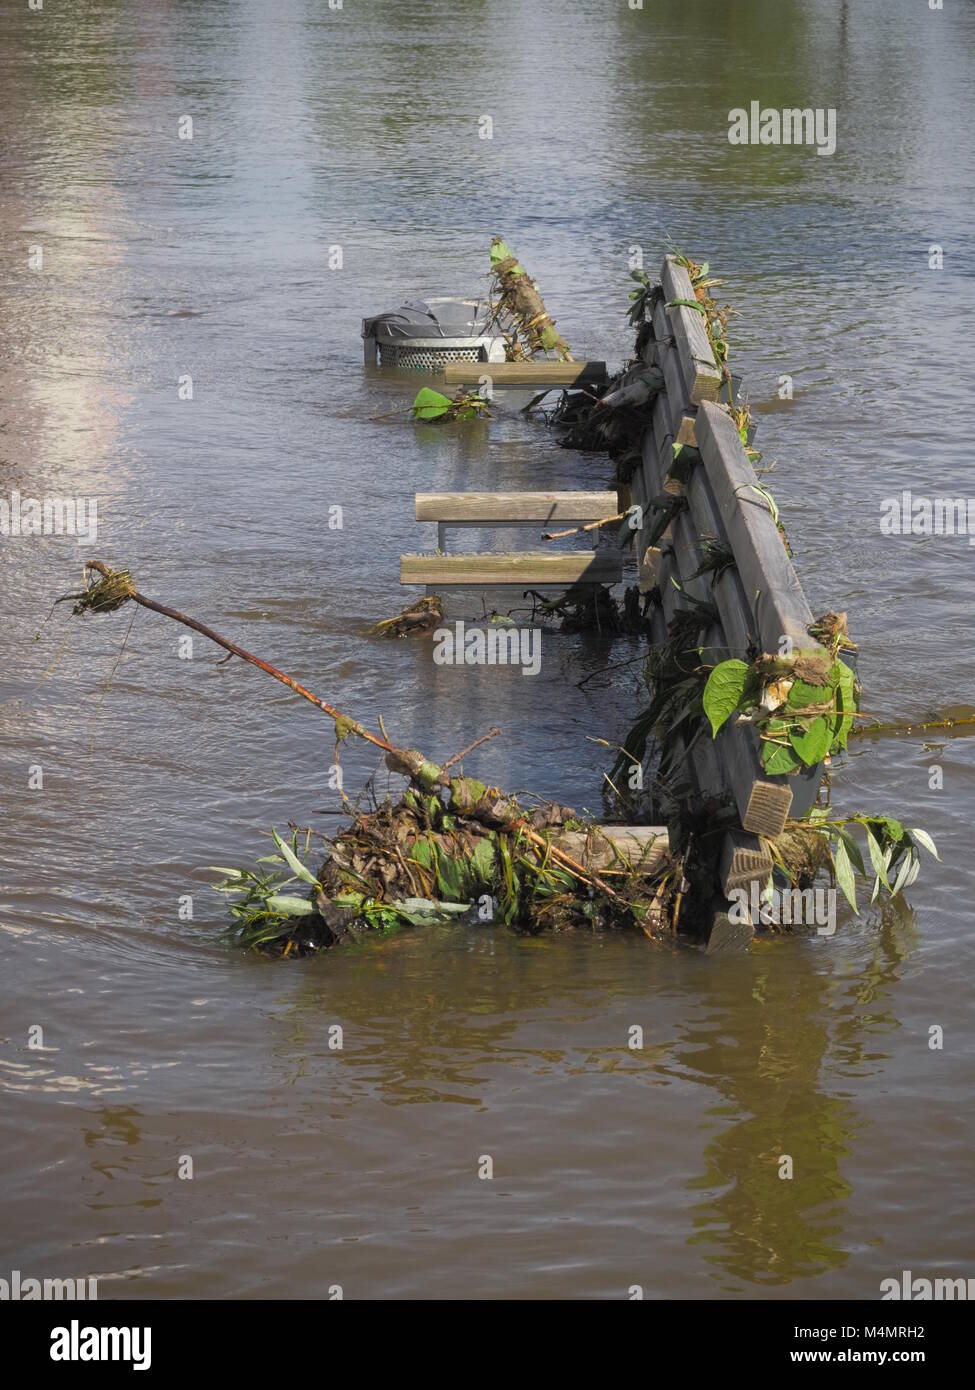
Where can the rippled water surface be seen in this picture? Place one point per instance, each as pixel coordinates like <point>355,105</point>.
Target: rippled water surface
<point>163,257</point>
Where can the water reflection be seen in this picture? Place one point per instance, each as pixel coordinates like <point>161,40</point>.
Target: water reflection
<point>773,1061</point>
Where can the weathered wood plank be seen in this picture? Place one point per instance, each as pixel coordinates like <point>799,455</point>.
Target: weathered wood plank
<point>770,582</point>
<point>658,634</point>
<point>702,375</point>
<point>509,508</point>
<point>524,567</point>
<point>710,777</point>
<point>728,591</point>
<point>701,519</point>
<point>524,373</point>
<point>763,803</point>
<point>642,846</point>
<point>682,413</point>
<point>744,860</point>
<point>727,937</point>
<point>646,556</point>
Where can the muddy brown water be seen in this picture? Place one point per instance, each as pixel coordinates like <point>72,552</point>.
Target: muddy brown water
<point>315,1167</point>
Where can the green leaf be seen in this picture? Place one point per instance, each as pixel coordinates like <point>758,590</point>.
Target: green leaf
<point>764,492</point>
<point>499,252</point>
<point>846,703</point>
<point>549,337</point>
<point>894,829</point>
<point>877,859</point>
<point>902,875</point>
<point>422,853</point>
<point>778,760</point>
<point>292,860</point>
<point>844,875</point>
<point>688,304</point>
<point>219,869</point>
<point>925,840</point>
<point>724,689</point>
<point>802,695</point>
<point>852,848</point>
<point>420,912</point>
<point>483,861</point>
<point>450,874</point>
<point>290,907</point>
<point>813,745</point>
<point>430,405</point>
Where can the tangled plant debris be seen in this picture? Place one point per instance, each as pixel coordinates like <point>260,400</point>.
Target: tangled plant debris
<point>419,619</point>
<point>447,846</point>
<point>434,405</point>
<point>518,303</point>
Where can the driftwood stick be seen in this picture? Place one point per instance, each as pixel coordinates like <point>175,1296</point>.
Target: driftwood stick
<point>402,756</point>
<point>459,757</point>
<point>589,526</point>
<point>352,724</point>
<point>909,726</point>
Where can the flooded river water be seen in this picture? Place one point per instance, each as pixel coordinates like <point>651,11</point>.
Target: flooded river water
<point>164,258</point>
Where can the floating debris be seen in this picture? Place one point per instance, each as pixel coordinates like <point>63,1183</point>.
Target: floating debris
<point>448,841</point>
<point>418,620</point>
<point>434,405</point>
<point>518,299</point>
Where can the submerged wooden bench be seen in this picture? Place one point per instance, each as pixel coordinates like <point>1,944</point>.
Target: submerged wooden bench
<point>487,510</point>
<point>525,373</point>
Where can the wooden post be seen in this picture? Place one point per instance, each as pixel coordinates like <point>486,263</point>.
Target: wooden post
<point>744,860</point>
<point>702,374</point>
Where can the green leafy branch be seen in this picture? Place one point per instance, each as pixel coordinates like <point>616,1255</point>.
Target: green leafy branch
<point>433,405</point>
<point>799,722</point>
<point>641,298</point>
<point>892,848</point>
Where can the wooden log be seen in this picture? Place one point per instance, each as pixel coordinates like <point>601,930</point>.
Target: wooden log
<point>524,567</point>
<point>642,847</point>
<point>744,860</point>
<point>702,374</point>
<point>770,582</point>
<point>514,508</point>
<point>548,373</point>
